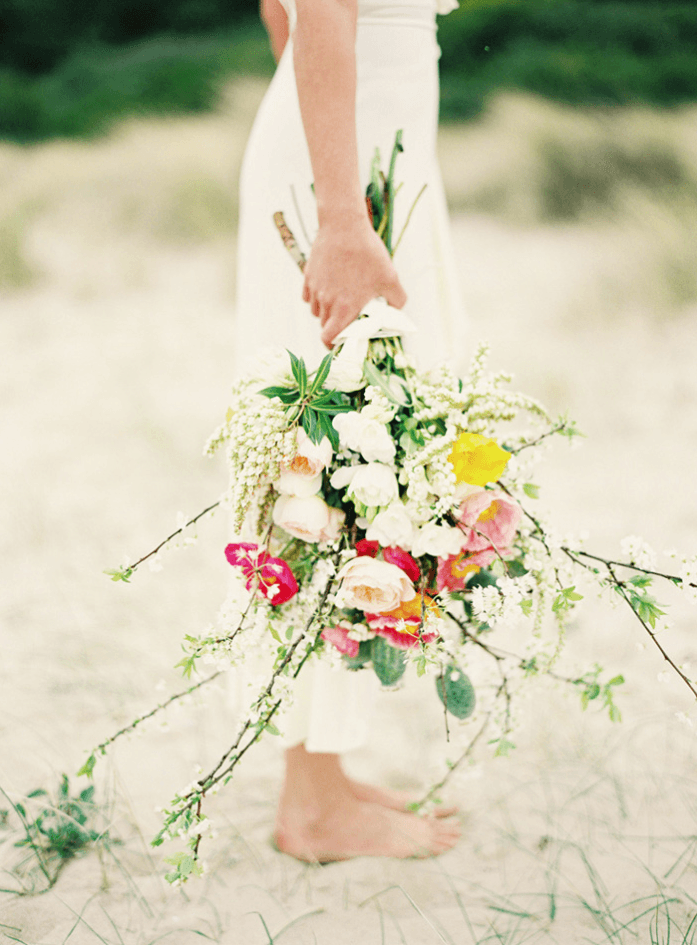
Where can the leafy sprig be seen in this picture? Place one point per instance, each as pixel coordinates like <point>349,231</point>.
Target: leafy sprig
<point>309,403</point>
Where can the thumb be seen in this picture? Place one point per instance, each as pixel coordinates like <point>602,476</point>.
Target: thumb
<point>395,295</point>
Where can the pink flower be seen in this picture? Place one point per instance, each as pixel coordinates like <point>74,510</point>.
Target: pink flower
<point>489,519</point>
<point>404,561</point>
<point>338,637</point>
<point>401,625</point>
<point>454,570</point>
<point>276,581</point>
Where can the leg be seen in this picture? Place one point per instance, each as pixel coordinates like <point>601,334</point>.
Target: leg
<point>320,818</point>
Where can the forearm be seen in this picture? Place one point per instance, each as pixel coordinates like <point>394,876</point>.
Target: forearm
<point>325,69</point>
<point>275,20</point>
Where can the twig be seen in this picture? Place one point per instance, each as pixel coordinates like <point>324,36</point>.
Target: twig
<point>454,766</point>
<point>289,241</point>
<point>131,567</point>
<point>158,708</point>
<point>539,439</point>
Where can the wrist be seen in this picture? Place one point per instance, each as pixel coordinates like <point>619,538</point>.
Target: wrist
<point>349,216</point>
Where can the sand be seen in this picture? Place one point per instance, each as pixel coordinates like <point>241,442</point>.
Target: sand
<point>116,337</point>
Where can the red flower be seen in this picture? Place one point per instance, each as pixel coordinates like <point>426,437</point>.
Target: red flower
<point>276,582</point>
<point>404,561</point>
<point>454,570</point>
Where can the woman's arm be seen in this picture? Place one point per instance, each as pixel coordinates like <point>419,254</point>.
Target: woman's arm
<point>349,264</point>
<point>275,19</point>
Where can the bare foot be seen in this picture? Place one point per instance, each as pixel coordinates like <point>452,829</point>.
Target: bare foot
<point>357,828</point>
<point>395,800</point>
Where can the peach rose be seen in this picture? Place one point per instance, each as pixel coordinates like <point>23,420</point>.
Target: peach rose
<point>373,585</point>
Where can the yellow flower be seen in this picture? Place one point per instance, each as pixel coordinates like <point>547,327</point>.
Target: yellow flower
<point>477,460</point>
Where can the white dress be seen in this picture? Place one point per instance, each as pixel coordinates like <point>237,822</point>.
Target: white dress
<point>397,87</point>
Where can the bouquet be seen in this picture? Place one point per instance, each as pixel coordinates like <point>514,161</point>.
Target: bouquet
<point>381,518</point>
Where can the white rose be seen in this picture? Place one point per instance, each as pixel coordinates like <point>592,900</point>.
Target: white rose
<point>392,527</point>
<point>336,523</point>
<point>310,458</point>
<point>373,586</point>
<point>364,435</point>
<point>437,540</point>
<point>272,367</point>
<point>346,370</point>
<point>304,518</point>
<point>291,483</point>
<point>372,484</point>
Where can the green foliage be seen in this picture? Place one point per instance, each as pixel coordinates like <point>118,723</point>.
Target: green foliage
<point>610,53</point>
<point>456,692</point>
<point>389,663</point>
<point>96,85</point>
<point>363,657</point>
<point>120,574</point>
<point>185,865</point>
<point>55,831</point>
<point>566,599</point>
<point>644,606</point>
<point>309,402</point>
<point>592,689</point>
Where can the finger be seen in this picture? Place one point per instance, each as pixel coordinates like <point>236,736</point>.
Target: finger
<point>325,309</point>
<point>340,316</point>
<point>306,292</point>
<point>395,295</point>
<point>315,305</point>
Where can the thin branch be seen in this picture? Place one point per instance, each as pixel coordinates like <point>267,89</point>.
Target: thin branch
<point>539,439</point>
<point>132,567</point>
<point>158,708</point>
<point>454,766</point>
<point>289,241</point>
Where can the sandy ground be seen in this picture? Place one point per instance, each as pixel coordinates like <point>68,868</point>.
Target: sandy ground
<point>116,335</point>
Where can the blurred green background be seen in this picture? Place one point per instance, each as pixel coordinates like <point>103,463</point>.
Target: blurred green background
<point>68,69</point>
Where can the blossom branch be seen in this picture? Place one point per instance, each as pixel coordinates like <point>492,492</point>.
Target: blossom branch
<point>124,574</point>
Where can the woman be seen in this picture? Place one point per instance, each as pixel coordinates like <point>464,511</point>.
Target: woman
<point>350,74</point>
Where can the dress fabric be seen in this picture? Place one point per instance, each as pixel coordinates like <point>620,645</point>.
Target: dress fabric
<point>397,88</point>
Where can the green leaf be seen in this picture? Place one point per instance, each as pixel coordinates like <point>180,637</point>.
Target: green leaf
<point>456,692</point>
<point>378,379</point>
<point>531,490</point>
<point>188,665</point>
<point>503,748</point>
<point>526,606</point>
<point>389,663</point>
<point>88,767</point>
<point>363,657</point>
<point>299,373</point>
<point>274,633</point>
<point>279,391</point>
<point>322,373</point>
<point>616,681</point>
<point>271,729</point>
<point>120,574</point>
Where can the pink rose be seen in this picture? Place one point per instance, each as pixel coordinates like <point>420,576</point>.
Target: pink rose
<point>338,637</point>
<point>489,519</point>
<point>454,570</point>
<point>276,581</point>
<point>404,561</point>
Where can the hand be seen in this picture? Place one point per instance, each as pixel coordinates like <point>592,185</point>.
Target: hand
<point>349,265</point>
